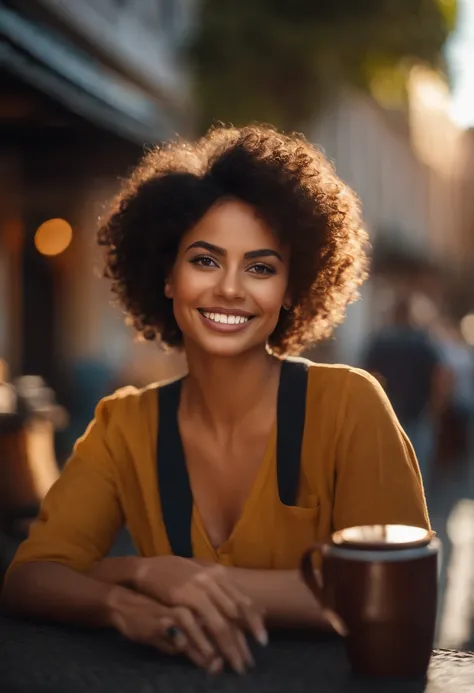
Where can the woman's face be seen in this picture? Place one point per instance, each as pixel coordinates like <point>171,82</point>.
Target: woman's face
<point>229,281</point>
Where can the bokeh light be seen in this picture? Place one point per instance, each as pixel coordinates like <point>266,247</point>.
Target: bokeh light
<point>467,328</point>
<point>53,236</point>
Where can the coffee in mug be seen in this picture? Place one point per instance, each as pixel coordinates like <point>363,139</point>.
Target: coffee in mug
<point>378,588</point>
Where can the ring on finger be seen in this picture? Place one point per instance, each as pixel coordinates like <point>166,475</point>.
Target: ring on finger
<point>172,633</point>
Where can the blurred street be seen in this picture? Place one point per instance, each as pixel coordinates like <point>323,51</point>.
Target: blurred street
<point>452,516</point>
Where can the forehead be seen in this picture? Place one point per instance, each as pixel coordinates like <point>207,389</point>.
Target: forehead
<point>233,225</point>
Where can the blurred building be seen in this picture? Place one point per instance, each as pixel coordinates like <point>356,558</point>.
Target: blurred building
<point>408,168</point>
<point>467,219</point>
<point>83,86</point>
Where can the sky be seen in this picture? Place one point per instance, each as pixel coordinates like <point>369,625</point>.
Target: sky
<point>460,52</point>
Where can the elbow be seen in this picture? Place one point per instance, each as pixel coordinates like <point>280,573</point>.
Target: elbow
<point>22,587</point>
<point>15,588</point>
<point>10,595</point>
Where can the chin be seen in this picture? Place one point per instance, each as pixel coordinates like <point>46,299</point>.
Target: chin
<point>227,347</point>
<point>228,350</point>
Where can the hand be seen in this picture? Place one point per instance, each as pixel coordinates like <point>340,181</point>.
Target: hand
<point>220,607</point>
<point>145,621</point>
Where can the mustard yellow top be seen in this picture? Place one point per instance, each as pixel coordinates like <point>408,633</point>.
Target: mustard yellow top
<point>357,467</point>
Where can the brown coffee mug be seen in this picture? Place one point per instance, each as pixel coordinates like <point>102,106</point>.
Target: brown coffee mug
<point>378,587</point>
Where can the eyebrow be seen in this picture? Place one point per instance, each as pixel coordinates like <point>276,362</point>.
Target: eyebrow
<point>250,255</point>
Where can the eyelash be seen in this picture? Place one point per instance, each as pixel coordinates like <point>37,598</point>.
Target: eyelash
<point>199,261</point>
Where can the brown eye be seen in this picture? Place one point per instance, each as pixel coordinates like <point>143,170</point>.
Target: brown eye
<point>203,261</point>
<point>261,269</point>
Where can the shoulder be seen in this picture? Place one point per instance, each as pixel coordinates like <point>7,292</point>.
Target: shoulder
<point>348,401</point>
<point>130,404</point>
<point>338,376</point>
<point>342,386</point>
<point>126,419</point>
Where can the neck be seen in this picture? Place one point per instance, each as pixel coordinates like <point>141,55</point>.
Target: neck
<point>224,392</point>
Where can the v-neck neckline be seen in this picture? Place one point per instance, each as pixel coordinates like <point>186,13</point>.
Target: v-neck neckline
<point>179,509</point>
<point>254,489</point>
<point>249,503</point>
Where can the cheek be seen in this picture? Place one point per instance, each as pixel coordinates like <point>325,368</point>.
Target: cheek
<point>270,294</point>
<point>188,285</point>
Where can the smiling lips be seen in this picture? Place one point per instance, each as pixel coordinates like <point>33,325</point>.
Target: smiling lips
<point>225,321</point>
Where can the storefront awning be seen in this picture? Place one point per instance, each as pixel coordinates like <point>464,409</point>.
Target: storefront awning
<point>42,57</point>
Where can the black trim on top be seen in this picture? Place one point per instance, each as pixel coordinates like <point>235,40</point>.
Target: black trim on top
<point>173,479</point>
<point>291,413</point>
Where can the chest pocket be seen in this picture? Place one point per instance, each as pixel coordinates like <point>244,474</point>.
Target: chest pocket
<point>295,528</point>
<point>174,485</point>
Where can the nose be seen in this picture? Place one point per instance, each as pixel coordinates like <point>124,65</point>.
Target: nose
<point>230,284</point>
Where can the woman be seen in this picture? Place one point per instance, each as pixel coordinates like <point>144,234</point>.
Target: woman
<point>242,248</point>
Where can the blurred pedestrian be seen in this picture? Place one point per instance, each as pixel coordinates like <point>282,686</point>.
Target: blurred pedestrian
<point>407,361</point>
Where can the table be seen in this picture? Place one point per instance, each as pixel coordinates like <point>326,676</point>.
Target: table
<point>37,658</point>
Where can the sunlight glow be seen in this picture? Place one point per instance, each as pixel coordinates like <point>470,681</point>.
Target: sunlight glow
<point>53,237</point>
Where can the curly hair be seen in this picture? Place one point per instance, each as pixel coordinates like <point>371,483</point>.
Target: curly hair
<point>289,183</point>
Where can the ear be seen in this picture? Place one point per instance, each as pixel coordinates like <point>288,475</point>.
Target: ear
<point>286,305</point>
<point>168,289</point>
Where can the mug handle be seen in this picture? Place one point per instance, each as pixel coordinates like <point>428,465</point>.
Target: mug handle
<point>308,574</point>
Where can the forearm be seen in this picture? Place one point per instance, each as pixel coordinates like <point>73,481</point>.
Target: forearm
<point>122,571</point>
<point>283,596</point>
<point>54,592</point>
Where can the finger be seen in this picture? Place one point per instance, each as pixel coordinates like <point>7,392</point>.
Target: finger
<point>244,648</point>
<point>223,600</point>
<point>172,641</point>
<point>172,636</point>
<point>190,650</point>
<point>216,666</point>
<point>163,646</point>
<point>195,634</point>
<point>239,597</point>
<point>242,608</point>
<point>250,616</point>
<point>212,666</point>
<point>222,630</point>
<point>231,603</point>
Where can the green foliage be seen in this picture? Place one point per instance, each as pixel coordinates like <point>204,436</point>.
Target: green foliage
<point>277,60</point>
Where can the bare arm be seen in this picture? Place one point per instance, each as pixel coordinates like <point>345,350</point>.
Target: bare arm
<point>55,592</point>
<point>280,594</point>
<point>118,571</point>
<point>52,591</point>
<point>283,596</point>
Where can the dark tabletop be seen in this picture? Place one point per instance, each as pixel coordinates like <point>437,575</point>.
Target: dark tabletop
<point>51,659</point>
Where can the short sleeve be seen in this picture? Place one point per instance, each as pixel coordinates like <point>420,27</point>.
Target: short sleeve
<point>377,475</point>
<point>81,514</point>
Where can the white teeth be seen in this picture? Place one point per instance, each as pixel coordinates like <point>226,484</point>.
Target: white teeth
<point>227,319</point>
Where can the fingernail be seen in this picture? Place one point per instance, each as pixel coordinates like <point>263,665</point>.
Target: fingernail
<point>262,638</point>
<point>240,669</point>
<point>215,666</point>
